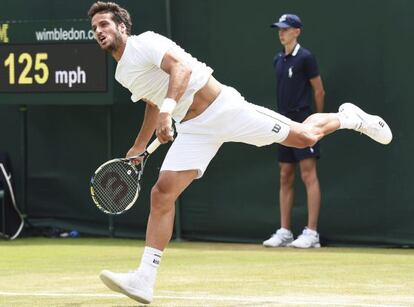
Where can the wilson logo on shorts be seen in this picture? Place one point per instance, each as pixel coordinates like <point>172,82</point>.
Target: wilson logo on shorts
<point>276,128</point>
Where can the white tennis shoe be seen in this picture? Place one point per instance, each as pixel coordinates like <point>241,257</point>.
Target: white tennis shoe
<point>131,284</point>
<point>308,239</point>
<point>371,125</point>
<point>281,238</point>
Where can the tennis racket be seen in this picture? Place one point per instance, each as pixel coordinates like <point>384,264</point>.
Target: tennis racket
<point>115,185</point>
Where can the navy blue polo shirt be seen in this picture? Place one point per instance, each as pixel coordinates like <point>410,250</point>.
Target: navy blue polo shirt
<point>293,71</point>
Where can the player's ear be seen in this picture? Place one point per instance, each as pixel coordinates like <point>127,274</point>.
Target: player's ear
<point>122,28</point>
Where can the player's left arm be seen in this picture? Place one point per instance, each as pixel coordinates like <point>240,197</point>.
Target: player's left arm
<point>180,74</point>
<point>312,72</point>
<point>318,93</point>
<point>147,129</point>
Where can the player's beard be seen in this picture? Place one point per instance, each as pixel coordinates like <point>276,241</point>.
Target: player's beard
<point>115,43</point>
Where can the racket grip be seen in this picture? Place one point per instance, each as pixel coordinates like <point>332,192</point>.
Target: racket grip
<point>153,146</point>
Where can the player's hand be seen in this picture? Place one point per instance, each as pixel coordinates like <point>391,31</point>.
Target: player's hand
<point>164,131</point>
<point>133,152</point>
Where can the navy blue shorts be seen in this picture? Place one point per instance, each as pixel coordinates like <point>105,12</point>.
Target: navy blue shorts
<point>292,155</point>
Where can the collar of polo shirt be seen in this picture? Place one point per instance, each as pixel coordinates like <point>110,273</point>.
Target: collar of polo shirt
<point>296,50</point>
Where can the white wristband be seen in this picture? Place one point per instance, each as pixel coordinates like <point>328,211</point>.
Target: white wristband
<point>168,106</point>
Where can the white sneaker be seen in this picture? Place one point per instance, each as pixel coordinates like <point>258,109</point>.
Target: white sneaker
<point>131,284</point>
<point>308,238</point>
<point>282,237</point>
<point>371,125</point>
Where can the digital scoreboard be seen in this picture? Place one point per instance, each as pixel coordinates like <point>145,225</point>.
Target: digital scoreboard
<point>43,68</point>
<point>53,62</point>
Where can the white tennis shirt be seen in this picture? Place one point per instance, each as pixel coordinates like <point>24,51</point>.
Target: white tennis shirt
<point>139,71</point>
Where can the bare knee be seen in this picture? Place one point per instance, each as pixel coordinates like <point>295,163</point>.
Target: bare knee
<point>287,175</point>
<point>162,201</point>
<point>302,136</point>
<point>308,176</point>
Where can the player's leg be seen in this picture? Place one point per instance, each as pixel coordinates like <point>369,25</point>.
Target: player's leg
<point>139,284</point>
<point>310,179</point>
<point>286,193</point>
<point>261,126</point>
<point>318,125</point>
<point>169,186</point>
<point>186,160</point>
<point>283,236</point>
<point>310,237</point>
<point>314,128</point>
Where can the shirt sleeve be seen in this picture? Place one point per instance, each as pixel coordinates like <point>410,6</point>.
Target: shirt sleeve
<point>311,67</point>
<point>154,46</point>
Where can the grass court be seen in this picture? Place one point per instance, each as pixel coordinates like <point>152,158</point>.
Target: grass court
<point>64,272</point>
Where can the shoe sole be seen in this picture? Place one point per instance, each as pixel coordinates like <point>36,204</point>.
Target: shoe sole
<point>285,244</point>
<point>111,284</point>
<point>361,113</point>
<point>282,245</point>
<point>313,246</point>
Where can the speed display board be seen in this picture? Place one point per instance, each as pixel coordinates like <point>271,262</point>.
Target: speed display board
<point>43,68</point>
<point>53,62</point>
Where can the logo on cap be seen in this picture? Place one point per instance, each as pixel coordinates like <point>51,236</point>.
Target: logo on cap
<point>282,18</point>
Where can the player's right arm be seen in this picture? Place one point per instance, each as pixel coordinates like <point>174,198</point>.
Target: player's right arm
<point>180,74</point>
<point>147,129</point>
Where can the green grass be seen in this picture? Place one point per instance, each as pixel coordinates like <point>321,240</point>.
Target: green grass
<point>63,272</point>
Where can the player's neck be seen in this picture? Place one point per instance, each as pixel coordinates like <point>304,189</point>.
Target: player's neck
<point>117,54</point>
<point>290,46</point>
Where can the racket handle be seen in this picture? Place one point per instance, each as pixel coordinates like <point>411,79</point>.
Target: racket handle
<point>153,146</point>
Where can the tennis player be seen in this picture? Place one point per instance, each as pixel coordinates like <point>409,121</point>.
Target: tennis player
<point>176,86</point>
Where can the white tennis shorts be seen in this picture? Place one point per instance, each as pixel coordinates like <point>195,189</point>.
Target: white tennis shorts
<point>230,118</point>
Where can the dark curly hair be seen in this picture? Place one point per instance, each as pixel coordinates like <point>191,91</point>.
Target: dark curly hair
<point>119,14</point>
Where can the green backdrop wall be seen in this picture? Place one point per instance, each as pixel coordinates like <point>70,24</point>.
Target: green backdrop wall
<point>361,47</point>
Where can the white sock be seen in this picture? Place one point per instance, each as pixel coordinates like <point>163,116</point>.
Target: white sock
<point>150,262</point>
<point>348,120</point>
<point>311,231</point>
<point>284,229</point>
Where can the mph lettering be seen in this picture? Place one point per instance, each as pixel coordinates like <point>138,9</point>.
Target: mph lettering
<point>70,77</point>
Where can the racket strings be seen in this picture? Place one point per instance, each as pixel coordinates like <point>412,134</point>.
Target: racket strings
<point>116,186</point>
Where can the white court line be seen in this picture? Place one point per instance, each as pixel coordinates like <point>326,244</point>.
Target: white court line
<point>47,294</point>
<point>282,300</point>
